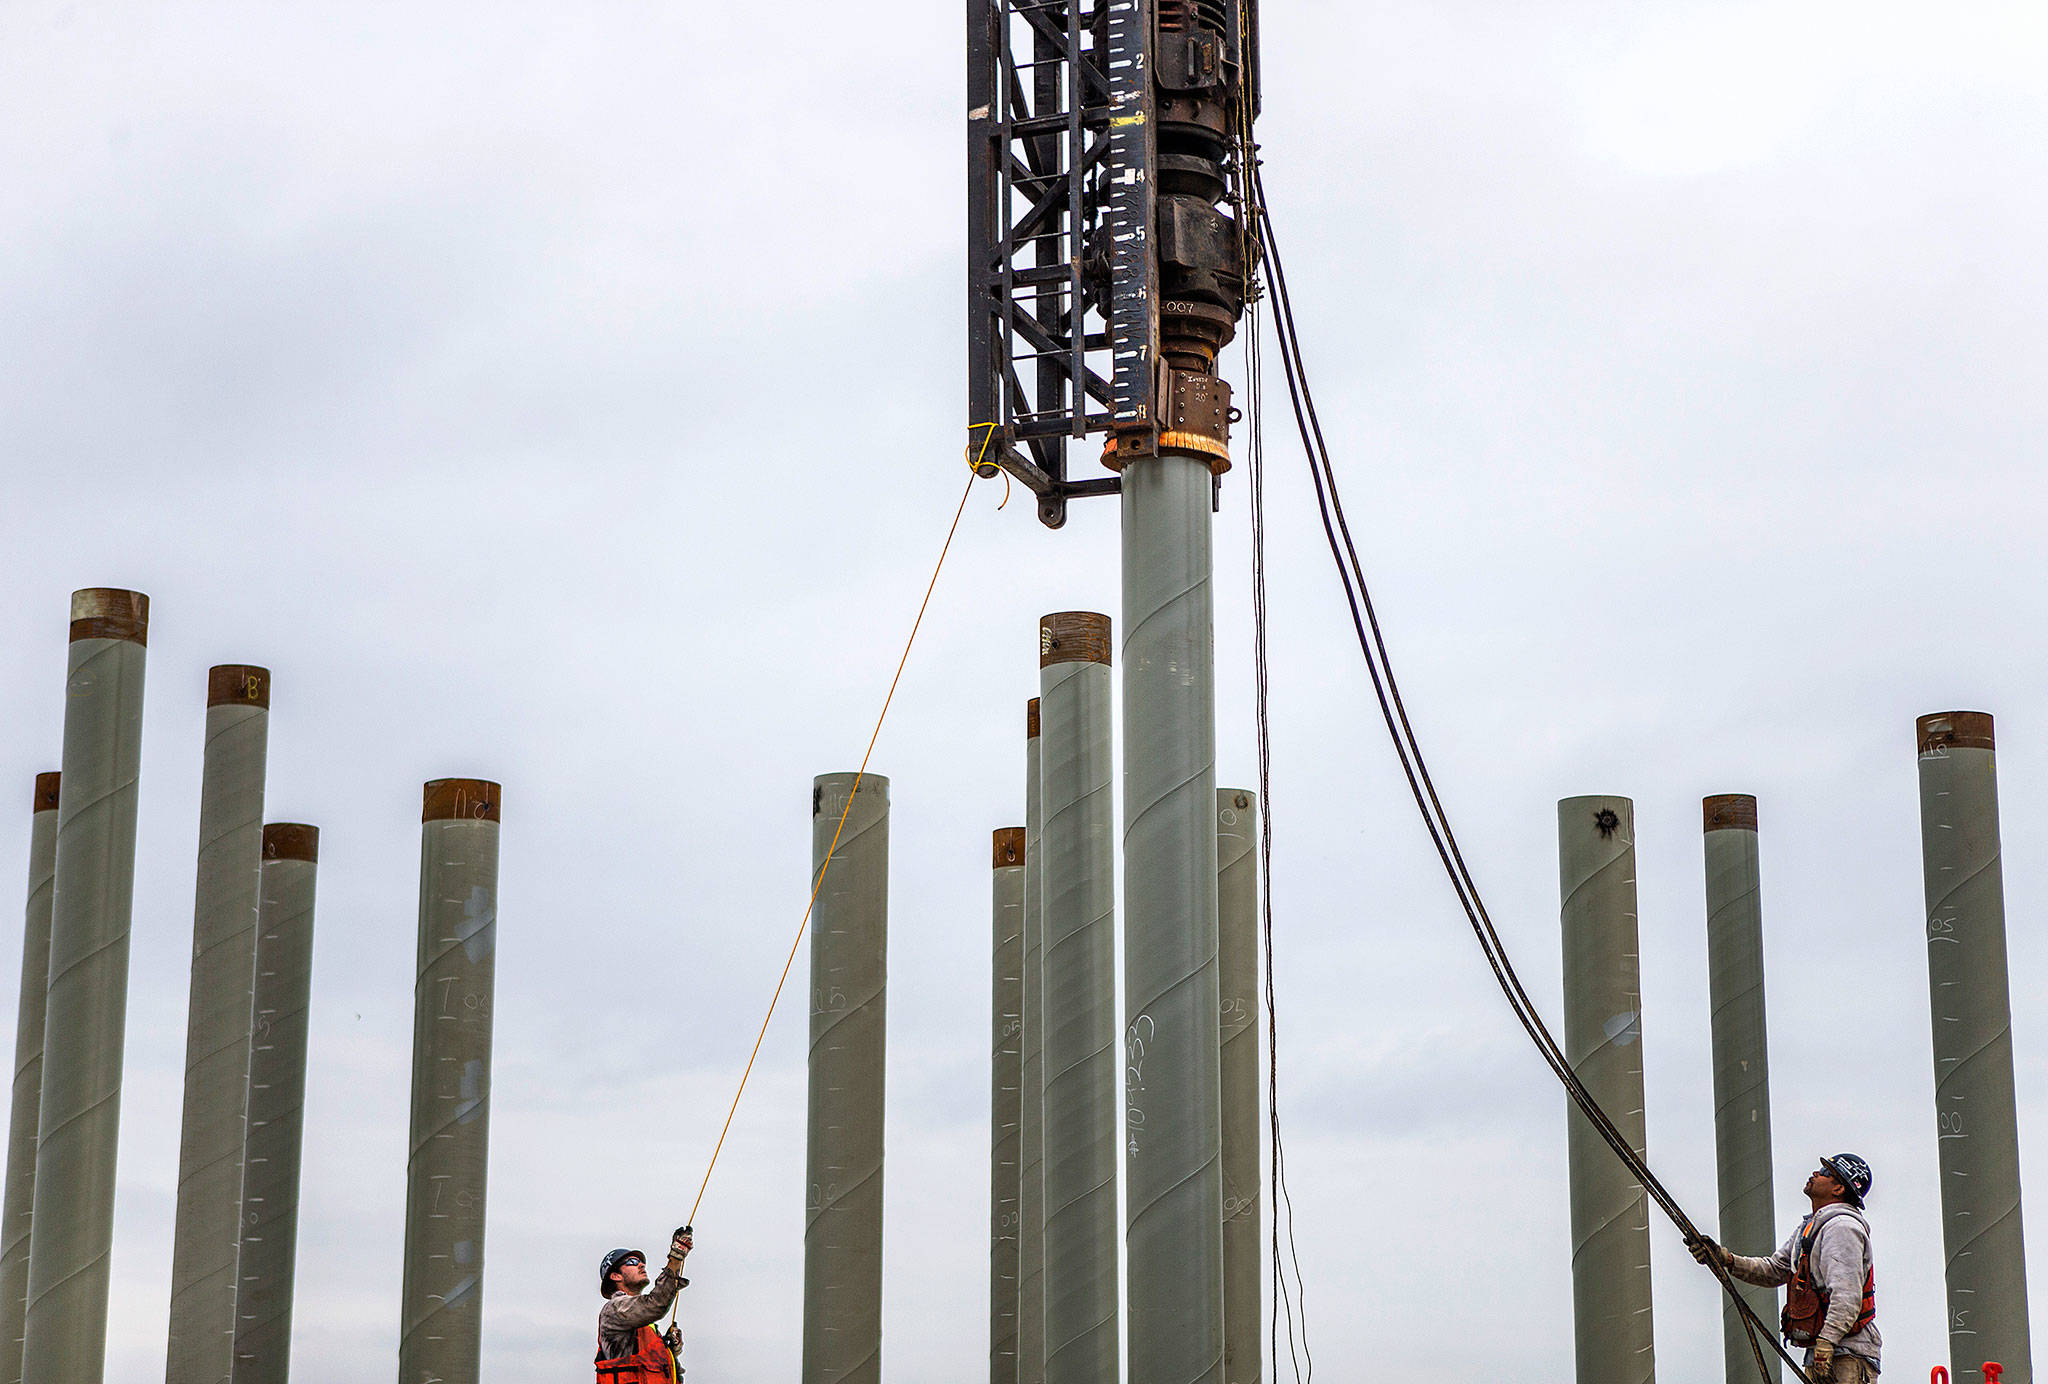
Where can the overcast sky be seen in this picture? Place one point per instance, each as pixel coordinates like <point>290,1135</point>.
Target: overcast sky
<point>572,396</point>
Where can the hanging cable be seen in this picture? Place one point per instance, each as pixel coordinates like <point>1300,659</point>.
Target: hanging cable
<point>1289,1298</point>
<point>1372,644</point>
<point>1289,1294</point>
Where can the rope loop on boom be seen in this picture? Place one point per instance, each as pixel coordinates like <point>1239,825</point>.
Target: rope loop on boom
<point>984,469</point>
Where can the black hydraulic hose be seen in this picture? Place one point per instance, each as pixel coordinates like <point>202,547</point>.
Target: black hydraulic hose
<point>1393,711</point>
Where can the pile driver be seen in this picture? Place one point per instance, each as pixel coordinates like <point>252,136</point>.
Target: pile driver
<point>1109,256</point>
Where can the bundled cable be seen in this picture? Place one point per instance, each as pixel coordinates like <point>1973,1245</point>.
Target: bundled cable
<point>1289,1297</point>
<point>1372,644</point>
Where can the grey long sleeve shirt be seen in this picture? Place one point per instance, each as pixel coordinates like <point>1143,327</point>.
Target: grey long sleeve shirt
<point>621,1318</point>
<point>1841,1260</point>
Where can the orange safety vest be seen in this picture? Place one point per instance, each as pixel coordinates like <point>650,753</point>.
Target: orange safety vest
<point>650,1362</point>
<point>1806,1302</point>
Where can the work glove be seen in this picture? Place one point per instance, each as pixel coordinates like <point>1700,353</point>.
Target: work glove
<point>1705,1251</point>
<point>1822,1368</point>
<point>680,1244</point>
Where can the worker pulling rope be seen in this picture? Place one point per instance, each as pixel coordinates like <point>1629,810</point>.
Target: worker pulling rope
<point>978,468</point>
<point>1393,712</point>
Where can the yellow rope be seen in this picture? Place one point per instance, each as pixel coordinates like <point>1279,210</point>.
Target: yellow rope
<point>974,473</point>
<point>987,469</point>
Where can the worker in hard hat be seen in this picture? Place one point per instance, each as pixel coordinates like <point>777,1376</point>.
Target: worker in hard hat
<point>629,1349</point>
<point>1831,1292</point>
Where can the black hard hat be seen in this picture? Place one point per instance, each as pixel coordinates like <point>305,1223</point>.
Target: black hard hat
<point>610,1265</point>
<point>1852,1172</point>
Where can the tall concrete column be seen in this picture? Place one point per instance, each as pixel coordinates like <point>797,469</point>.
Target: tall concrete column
<point>1237,935</point>
<point>1603,1031</point>
<point>1031,1100</point>
<point>1006,1077</point>
<point>217,1025</point>
<point>1077,865</point>
<point>1975,1117</point>
<point>18,1216</point>
<point>277,1105</point>
<point>1172,1038</point>
<point>849,1032</point>
<point>83,1029</point>
<point>441,1303</point>
<point>1742,1068</point>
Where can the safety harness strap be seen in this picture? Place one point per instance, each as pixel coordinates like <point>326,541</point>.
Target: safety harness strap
<point>1806,1302</point>
<point>650,1362</point>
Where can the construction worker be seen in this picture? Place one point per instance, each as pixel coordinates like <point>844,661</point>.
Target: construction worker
<point>1831,1297</point>
<point>629,1349</point>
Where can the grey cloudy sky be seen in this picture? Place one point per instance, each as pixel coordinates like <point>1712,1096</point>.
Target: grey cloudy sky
<point>571,395</point>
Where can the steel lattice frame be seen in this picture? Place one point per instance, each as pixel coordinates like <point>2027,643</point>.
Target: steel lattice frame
<point>1059,154</point>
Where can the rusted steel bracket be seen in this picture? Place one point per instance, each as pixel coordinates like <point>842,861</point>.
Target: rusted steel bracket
<point>1052,492</point>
